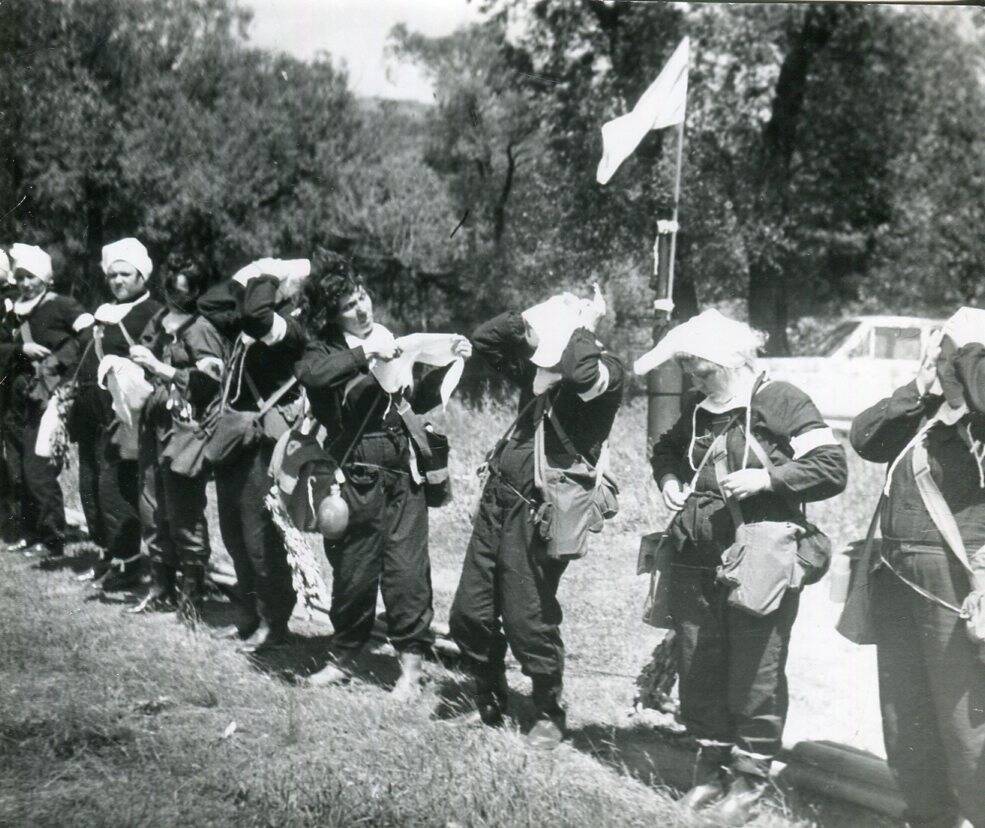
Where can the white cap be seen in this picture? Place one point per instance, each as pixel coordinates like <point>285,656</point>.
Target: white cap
<point>710,336</point>
<point>32,258</point>
<point>967,325</point>
<point>128,250</point>
<point>5,274</point>
<point>553,322</point>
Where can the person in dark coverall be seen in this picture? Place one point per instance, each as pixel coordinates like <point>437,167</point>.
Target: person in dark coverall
<point>11,416</point>
<point>385,547</point>
<point>46,353</point>
<point>109,474</point>
<point>507,590</point>
<point>183,354</point>
<point>255,308</point>
<point>931,675</point>
<point>732,663</point>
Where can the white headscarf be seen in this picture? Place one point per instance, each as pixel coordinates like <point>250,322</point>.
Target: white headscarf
<point>710,336</point>
<point>6,276</point>
<point>128,250</point>
<point>32,258</point>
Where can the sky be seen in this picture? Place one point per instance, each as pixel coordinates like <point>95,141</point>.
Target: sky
<point>355,31</point>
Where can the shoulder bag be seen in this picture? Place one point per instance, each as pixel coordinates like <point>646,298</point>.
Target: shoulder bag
<point>576,500</point>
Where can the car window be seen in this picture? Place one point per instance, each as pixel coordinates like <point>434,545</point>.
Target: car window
<point>833,340</point>
<point>863,348</point>
<point>897,343</point>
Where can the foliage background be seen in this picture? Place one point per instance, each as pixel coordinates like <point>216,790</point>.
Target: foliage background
<point>833,159</point>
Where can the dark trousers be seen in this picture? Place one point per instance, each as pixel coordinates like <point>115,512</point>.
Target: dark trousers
<point>172,511</point>
<point>11,485</point>
<point>250,537</point>
<point>41,503</point>
<point>88,446</point>
<point>118,493</point>
<point>385,550</point>
<point>507,593</point>
<point>732,668</point>
<point>931,689</point>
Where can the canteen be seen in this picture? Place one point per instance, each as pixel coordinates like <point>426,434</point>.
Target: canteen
<point>333,514</point>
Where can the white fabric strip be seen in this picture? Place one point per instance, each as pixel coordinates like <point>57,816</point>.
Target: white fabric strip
<point>808,441</point>
<point>278,330</point>
<point>83,321</point>
<point>601,384</point>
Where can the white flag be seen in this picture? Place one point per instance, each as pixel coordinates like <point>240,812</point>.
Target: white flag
<point>662,105</point>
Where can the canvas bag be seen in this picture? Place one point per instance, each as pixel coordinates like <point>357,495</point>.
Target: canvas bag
<point>576,500</point>
<point>228,430</point>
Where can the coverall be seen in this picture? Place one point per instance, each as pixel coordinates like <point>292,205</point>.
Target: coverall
<point>507,593</point>
<point>732,664</point>
<point>931,676</point>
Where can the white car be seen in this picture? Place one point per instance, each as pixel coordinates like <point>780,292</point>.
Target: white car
<point>864,359</point>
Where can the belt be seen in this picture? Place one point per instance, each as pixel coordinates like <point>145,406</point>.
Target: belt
<point>923,593</point>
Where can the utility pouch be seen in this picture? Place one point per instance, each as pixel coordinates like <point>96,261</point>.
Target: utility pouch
<point>759,566</point>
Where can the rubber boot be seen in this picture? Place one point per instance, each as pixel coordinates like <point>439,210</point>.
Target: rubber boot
<point>708,780</point>
<point>247,623</point>
<point>549,728</point>
<point>161,597</point>
<point>492,694</point>
<point>742,799</point>
<point>409,684</point>
<point>337,672</point>
<point>191,597</point>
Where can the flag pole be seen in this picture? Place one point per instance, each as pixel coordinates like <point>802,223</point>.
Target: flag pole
<point>665,384</point>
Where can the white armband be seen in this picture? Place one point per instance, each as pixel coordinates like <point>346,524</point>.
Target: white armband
<point>601,384</point>
<point>83,321</point>
<point>278,330</point>
<point>810,440</point>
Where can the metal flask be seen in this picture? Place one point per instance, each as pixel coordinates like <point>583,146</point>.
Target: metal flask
<point>333,514</point>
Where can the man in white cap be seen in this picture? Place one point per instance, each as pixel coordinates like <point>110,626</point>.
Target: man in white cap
<point>47,350</point>
<point>507,591</point>
<point>109,483</point>
<point>931,432</point>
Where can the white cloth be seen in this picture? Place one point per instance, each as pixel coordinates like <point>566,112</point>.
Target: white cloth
<point>397,374</point>
<point>32,258</point>
<point>5,274</point>
<point>172,322</point>
<point>967,325</point>
<point>127,386</point>
<point>48,428</point>
<point>25,307</point>
<point>129,250</point>
<point>113,313</point>
<point>710,336</point>
<point>553,322</point>
<point>662,105</point>
<point>290,273</point>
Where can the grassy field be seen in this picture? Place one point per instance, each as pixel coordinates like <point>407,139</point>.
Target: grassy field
<point>113,719</point>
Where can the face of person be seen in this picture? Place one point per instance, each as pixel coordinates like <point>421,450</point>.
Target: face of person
<point>711,379</point>
<point>29,285</point>
<point>356,313</point>
<point>125,281</point>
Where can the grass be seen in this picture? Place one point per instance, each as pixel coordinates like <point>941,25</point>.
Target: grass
<point>113,719</point>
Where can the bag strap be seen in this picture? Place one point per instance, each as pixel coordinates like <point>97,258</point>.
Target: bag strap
<point>501,443</point>
<point>936,505</point>
<point>359,431</point>
<point>273,399</point>
<point>415,426</point>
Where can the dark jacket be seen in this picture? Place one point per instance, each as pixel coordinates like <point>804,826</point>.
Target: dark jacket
<point>343,393</point>
<point>881,432</point>
<point>783,418</point>
<point>585,399</point>
<point>250,311</point>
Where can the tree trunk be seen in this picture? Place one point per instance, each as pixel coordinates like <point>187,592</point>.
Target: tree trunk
<point>768,283</point>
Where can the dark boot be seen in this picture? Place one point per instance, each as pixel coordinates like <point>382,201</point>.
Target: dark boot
<point>191,597</point>
<point>161,596</point>
<point>52,559</point>
<point>266,637</point>
<point>492,694</point>
<point>742,799</point>
<point>121,577</point>
<point>708,781</point>
<point>246,624</point>
<point>549,727</point>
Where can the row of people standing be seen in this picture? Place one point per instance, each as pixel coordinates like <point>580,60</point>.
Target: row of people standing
<point>274,332</point>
